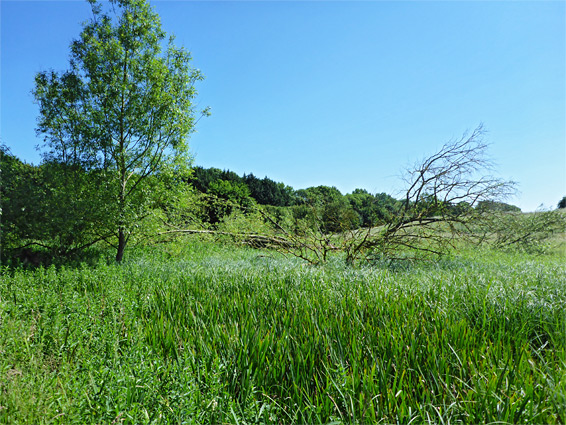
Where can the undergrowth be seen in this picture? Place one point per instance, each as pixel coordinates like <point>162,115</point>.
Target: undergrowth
<point>209,334</point>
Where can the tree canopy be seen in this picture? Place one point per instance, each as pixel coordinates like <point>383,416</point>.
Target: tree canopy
<point>122,113</point>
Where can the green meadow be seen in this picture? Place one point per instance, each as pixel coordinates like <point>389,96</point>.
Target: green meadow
<point>207,333</point>
<point>137,287</point>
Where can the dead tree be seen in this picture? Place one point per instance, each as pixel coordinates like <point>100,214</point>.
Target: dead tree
<point>438,204</point>
<point>437,209</point>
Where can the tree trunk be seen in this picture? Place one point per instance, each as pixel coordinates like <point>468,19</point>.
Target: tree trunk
<point>121,245</point>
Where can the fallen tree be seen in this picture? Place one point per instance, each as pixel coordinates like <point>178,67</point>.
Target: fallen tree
<point>438,211</point>
<point>254,240</point>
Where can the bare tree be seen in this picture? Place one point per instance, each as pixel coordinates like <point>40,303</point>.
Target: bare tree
<point>441,193</point>
<point>436,211</point>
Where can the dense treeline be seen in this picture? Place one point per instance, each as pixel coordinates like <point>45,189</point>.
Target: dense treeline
<point>50,210</point>
<point>57,210</point>
<point>265,191</point>
<point>338,211</point>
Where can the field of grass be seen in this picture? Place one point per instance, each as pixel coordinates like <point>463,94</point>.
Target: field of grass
<point>213,334</point>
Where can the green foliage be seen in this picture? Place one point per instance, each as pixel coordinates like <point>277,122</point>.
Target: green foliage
<point>265,191</point>
<point>319,195</point>
<point>562,203</point>
<point>326,209</point>
<point>373,209</point>
<point>282,216</point>
<point>268,192</point>
<point>202,178</point>
<point>123,112</point>
<point>226,196</point>
<point>44,210</point>
<point>235,192</point>
<point>241,224</point>
<point>224,335</point>
<point>493,206</point>
<point>319,208</point>
<point>20,197</point>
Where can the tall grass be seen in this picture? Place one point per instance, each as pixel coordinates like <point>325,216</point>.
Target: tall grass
<point>217,335</point>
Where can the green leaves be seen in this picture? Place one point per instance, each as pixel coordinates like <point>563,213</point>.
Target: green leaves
<point>448,342</point>
<point>218,334</point>
<point>125,108</point>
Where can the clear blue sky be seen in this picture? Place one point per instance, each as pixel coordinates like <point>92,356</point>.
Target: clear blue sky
<point>344,94</point>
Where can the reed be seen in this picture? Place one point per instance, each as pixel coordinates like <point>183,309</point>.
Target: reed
<point>217,335</point>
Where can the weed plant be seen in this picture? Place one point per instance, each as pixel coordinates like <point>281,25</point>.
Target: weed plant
<point>212,334</point>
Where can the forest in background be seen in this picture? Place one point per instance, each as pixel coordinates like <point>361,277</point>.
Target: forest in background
<point>117,172</point>
<point>136,288</point>
<point>49,214</point>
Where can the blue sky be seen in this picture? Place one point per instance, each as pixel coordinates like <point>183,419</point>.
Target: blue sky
<point>344,94</point>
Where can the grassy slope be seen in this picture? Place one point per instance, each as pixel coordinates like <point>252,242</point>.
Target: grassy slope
<point>212,335</point>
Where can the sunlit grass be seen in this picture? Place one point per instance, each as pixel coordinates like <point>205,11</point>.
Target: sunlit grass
<point>213,334</point>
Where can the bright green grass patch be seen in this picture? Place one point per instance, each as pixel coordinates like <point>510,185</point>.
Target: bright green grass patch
<point>212,334</point>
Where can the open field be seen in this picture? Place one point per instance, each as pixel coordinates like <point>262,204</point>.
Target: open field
<point>213,334</point>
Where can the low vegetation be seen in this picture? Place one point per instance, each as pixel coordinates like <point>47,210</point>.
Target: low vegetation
<point>242,300</point>
<point>205,333</point>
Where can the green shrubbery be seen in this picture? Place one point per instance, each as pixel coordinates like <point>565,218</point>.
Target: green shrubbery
<point>50,214</point>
